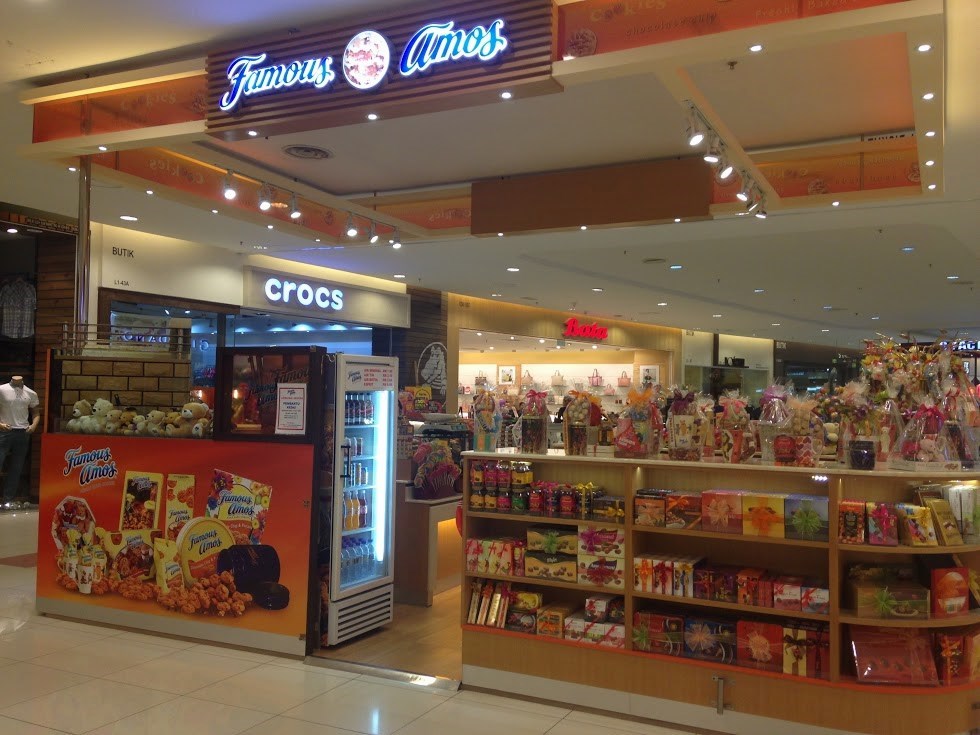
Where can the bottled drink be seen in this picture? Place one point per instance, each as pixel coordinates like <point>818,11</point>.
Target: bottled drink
<point>354,511</point>
<point>343,511</point>
<point>368,409</point>
<point>344,561</point>
<point>356,560</point>
<point>371,569</point>
<point>362,502</point>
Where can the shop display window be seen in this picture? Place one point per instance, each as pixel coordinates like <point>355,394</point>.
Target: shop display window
<point>261,329</point>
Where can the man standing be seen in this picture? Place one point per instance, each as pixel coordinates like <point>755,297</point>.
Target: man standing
<point>19,418</point>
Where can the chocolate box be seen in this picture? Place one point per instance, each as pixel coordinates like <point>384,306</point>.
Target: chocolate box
<point>882,524</point>
<point>724,583</point>
<point>552,539</point>
<point>710,640</point>
<point>806,649</point>
<point>561,567</point>
<point>915,527</point>
<point>881,657</point>
<point>806,517</point>
<point>601,540</point>
<point>947,528</point>
<point>763,515</point>
<point>787,593</point>
<point>897,600</point>
<point>747,581</point>
<point>574,627</point>
<point>526,600</point>
<point>721,511</point>
<point>760,645</point>
<point>643,572</point>
<point>609,508</point>
<point>950,589</point>
<point>551,619</point>
<point>850,525</point>
<point>521,621</point>
<point>815,597</point>
<point>601,571</point>
<point>957,652</point>
<point>764,595</point>
<point>474,551</point>
<point>683,577</point>
<point>683,510</point>
<point>649,511</point>
<point>658,633</point>
<point>613,635</point>
<point>703,588</point>
<point>597,607</point>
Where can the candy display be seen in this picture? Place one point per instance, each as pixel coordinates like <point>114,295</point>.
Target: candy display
<point>534,423</point>
<point>486,421</point>
<point>737,443</point>
<point>437,474</point>
<point>806,517</point>
<point>850,524</point>
<point>638,432</point>
<point>686,427</point>
<point>882,524</point>
<point>893,656</point>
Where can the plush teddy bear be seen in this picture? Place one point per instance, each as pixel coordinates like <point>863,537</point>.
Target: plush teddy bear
<point>151,424</point>
<point>194,411</point>
<point>95,424</point>
<point>80,410</point>
<point>201,429</point>
<point>128,421</point>
<point>113,422</point>
<point>180,430</point>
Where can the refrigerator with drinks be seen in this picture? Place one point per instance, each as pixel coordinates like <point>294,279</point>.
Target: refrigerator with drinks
<point>356,496</point>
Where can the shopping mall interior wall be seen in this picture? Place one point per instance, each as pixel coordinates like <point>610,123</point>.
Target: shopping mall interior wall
<point>422,350</point>
<point>756,352</point>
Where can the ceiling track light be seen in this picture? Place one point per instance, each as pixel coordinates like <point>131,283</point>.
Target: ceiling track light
<point>714,150</point>
<point>760,211</point>
<point>265,198</point>
<point>695,126</point>
<point>229,189</point>
<point>294,210</point>
<point>351,228</point>
<point>744,194</point>
<point>374,233</point>
<point>725,169</point>
<point>396,241</point>
<point>755,199</point>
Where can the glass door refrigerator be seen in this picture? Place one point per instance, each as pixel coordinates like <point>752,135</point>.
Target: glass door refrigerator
<point>357,496</point>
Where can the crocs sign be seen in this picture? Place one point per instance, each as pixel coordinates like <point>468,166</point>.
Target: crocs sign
<point>282,291</point>
<point>584,331</point>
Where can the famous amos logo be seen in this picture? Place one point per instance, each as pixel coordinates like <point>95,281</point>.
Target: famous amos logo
<point>92,465</point>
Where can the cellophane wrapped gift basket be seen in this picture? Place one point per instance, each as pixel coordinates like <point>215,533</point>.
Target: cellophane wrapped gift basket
<point>637,432</point>
<point>486,421</point>
<point>737,444</point>
<point>774,414</point>
<point>576,422</point>
<point>533,435</point>
<point>686,425</point>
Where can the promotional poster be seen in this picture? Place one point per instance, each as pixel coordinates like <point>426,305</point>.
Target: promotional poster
<point>208,531</point>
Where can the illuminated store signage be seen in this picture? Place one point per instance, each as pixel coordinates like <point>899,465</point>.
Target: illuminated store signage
<point>365,61</point>
<point>280,290</point>
<point>585,331</point>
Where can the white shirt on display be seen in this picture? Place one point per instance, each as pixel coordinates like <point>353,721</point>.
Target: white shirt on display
<point>16,404</point>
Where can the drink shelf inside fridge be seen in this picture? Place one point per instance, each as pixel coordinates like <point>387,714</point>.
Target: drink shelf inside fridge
<point>355,531</point>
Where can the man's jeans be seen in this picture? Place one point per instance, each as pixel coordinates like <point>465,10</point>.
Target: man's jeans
<point>15,443</point>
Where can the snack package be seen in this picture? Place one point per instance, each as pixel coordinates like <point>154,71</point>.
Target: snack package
<point>170,577</point>
<point>130,553</point>
<point>200,542</point>
<point>534,423</point>
<point>893,656</point>
<point>486,422</point>
<point>242,504</point>
<point>637,434</point>
<point>925,445</point>
<point>141,501</point>
<point>890,425</point>
<point>686,427</point>
<point>577,421</point>
<point>737,444</point>
<point>180,504</point>
<point>957,402</point>
<point>774,414</point>
<point>802,432</point>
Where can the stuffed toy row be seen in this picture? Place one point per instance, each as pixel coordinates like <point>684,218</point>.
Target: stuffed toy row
<point>193,420</point>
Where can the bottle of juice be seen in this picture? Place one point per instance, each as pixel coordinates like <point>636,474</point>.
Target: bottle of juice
<point>362,510</point>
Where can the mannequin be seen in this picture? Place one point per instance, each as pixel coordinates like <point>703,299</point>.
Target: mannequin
<point>19,418</point>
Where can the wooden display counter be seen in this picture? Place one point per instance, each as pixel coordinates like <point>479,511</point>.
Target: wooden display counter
<point>718,696</point>
<point>427,547</point>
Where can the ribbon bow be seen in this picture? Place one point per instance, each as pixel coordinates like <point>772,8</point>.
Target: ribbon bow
<point>682,401</point>
<point>590,539</point>
<point>932,418</point>
<point>535,402</point>
<point>640,397</point>
<point>883,518</point>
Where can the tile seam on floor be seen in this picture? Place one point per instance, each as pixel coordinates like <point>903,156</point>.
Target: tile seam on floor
<point>173,653</point>
<point>28,722</point>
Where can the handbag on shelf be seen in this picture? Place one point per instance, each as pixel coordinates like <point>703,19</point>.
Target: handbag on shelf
<point>480,379</point>
<point>557,379</point>
<point>595,380</point>
<point>608,390</point>
<point>461,389</point>
<point>624,380</point>
<point>527,380</point>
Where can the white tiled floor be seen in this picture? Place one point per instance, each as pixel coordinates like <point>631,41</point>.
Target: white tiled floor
<point>59,676</point>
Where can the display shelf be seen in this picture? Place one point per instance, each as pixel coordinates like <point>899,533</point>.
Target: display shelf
<point>848,616</point>
<point>538,520</point>
<point>752,609</point>
<point>544,583</point>
<point>731,537</point>
<point>868,549</point>
<point>355,531</point>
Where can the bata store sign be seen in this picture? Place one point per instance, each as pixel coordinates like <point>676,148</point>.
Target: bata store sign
<point>299,294</point>
<point>584,331</point>
<point>452,55</point>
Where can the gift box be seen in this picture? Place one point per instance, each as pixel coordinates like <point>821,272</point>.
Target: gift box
<point>893,656</point>
<point>501,560</point>
<point>552,539</point>
<point>601,571</point>
<point>610,508</point>
<point>957,652</point>
<point>898,600</point>
<point>806,649</point>
<point>721,511</point>
<point>724,583</point>
<point>947,529</point>
<point>759,645</point>
<point>683,577</point>
<point>747,582</point>
<point>526,600</point>
<point>806,517</point>
<point>613,635</point>
<point>574,627</point>
<point>915,526</point>
<point>703,589</point>
<point>597,607</point>
<point>521,621</point>
<point>794,650</point>
<point>950,591</point>
<point>649,511</point>
<point>764,595</point>
<point>601,540</point>
<point>643,572</point>
<point>882,572</point>
<point>683,510</point>
<point>962,500</point>
<point>710,640</point>
<point>787,593</point>
<point>658,633</point>
<point>815,597</point>
<point>616,611</point>
<point>663,575</point>
<point>882,524</point>
<point>763,515</point>
<point>520,549</point>
<point>561,567</point>
<point>850,526</point>
<point>551,619</point>
<point>474,553</point>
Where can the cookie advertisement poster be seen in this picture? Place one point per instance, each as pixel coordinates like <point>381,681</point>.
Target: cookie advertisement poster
<point>194,531</point>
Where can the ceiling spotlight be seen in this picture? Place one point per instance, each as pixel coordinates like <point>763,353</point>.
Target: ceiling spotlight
<point>253,133</point>
<point>373,237</point>
<point>595,347</point>
<point>824,330</point>
<point>930,133</point>
<point>500,234</point>
<point>103,148</point>
<point>294,212</point>
<point>775,324</point>
<point>924,48</point>
<point>11,230</point>
<point>875,318</point>
<point>908,249</point>
<point>928,96</point>
<point>759,290</point>
<point>396,241</point>
<point>512,269</point>
<point>73,169</point>
<point>677,219</point>
<point>931,187</point>
<point>695,128</point>
<point>952,278</point>
<point>725,169</point>
<point>351,228</point>
<point>755,48</point>
<point>506,95</point>
<point>230,191</point>
<point>930,162</point>
<point>269,227</point>
<point>265,197</point>
<point>128,218</point>
<point>583,228</point>
<point>214,211</point>
<point>597,290</point>
<point>760,211</point>
<point>149,192</point>
<point>495,295</point>
<point>372,116</point>
<point>835,204</point>
<point>713,153</point>
<point>399,275</point>
<point>661,303</point>
<point>676,267</point>
<point>716,316</point>
<point>745,192</point>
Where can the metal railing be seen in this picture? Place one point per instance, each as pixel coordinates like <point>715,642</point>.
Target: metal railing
<point>107,340</point>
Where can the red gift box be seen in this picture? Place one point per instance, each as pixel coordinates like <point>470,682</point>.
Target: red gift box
<point>658,633</point>
<point>760,645</point>
<point>950,592</point>
<point>893,656</point>
<point>683,510</point>
<point>703,589</point>
<point>748,586</point>
<point>957,653</point>
<point>724,583</point>
<point>764,595</point>
<point>721,511</point>
<point>787,593</point>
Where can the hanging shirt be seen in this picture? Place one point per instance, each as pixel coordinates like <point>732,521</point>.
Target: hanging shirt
<point>18,300</point>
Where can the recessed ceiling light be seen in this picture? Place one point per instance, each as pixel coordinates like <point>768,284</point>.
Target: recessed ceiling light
<point>835,204</point>
<point>270,226</point>
<point>759,290</point>
<point>495,295</point>
<point>512,269</point>
<point>716,316</point>
<point>824,330</point>
<point>952,278</point>
<point>930,162</point>
<point>908,249</point>
<point>500,234</point>
<point>597,290</point>
<point>316,240</point>
<point>583,227</point>
<point>479,334</point>
<point>73,169</point>
<point>661,303</point>
<point>513,337</point>
<point>775,324</point>
<point>755,48</point>
<point>103,148</point>
<point>253,133</point>
<point>676,267</point>
<point>491,347</point>
<point>677,219</point>
<point>506,95</point>
<point>372,116</point>
<point>260,247</point>
<point>875,318</point>
<point>930,133</point>
<point>924,48</point>
<point>399,275</point>
<point>595,347</point>
<point>928,96</point>
<point>149,192</point>
<point>541,341</point>
<point>931,187</point>
<point>128,218</point>
<point>214,211</point>
<point>12,230</point>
